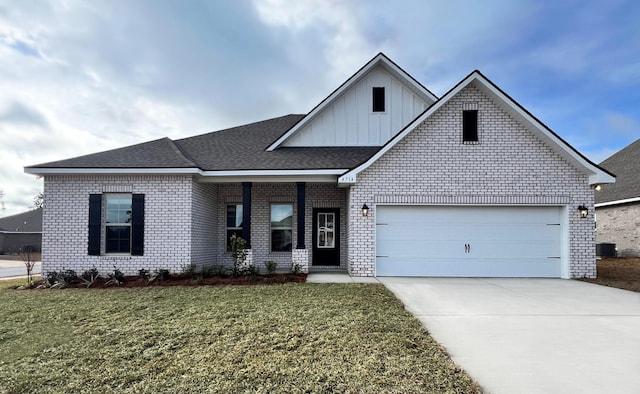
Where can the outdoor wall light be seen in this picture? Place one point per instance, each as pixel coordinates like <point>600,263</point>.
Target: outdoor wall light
<point>598,188</point>
<point>365,210</point>
<point>584,211</point>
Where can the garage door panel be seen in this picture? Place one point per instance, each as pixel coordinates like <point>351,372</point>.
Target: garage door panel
<point>468,241</point>
<point>463,268</point>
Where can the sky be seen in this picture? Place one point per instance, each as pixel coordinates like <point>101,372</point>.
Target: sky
<point>78,77</point>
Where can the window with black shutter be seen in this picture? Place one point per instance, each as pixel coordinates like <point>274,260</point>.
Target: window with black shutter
<point>123,225</point>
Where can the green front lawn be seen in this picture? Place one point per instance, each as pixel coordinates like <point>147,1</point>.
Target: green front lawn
<point>278,338</point>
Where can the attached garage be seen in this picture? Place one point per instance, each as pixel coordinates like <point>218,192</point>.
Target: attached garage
<point>480,241</point>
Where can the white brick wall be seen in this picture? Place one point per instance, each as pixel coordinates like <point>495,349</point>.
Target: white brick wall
<point>620,224</point>
<point>508,166</point>
<point>167,233</point>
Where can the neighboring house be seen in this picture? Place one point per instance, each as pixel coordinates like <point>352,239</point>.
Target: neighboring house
<point>618,204</point>
<point>381,178</point>
<point>23,229</point>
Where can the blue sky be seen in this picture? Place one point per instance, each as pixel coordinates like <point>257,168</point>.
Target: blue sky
<point>77,77</point>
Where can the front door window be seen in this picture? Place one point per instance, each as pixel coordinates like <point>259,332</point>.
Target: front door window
<point>326,230</point>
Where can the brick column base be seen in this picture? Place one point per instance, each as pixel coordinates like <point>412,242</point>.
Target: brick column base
<point>300,258</point>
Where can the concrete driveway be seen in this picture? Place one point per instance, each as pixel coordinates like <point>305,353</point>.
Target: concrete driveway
<point>532,335</point>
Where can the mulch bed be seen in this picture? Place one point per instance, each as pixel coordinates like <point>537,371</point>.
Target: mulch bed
<point>180,280</point>
<point>623,273</point>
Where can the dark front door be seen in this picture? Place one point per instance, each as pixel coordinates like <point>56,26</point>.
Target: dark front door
<point>326,236</point>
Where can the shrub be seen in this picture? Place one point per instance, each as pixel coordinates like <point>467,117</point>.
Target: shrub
<point>160,274</point>
<point>271,266</point>
<point>89,276</point>
<point>239,254</point>
<point>296,268</point>
<point>189,270</point>
<point>116,277</point>
<point>214,270</point>
<point>143,273</point>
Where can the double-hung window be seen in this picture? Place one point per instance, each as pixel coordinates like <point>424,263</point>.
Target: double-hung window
<point>116,224</point>
<point>281,227</point>
<point>234,222</point>
<point>118,209</point>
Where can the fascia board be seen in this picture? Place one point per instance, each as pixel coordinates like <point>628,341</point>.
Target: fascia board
<point>105,171</point>
<point>617,202</point>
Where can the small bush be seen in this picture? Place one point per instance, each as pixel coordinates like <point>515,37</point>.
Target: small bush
<point>115,278</point>
<point>296,268</point>
<point>160,274</point>
<point>271,266</point>
<point>190,270</point>
<point>143,273</point>
<point>209,271</point>
<point>89,276</point>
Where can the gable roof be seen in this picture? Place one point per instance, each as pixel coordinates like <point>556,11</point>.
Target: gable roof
<point>221,152</point>
<point>25,222</point>
<point>379,60</point>
<point>597,175</point>
<point>626,165</point>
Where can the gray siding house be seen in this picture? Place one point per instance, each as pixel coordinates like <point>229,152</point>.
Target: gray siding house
<point>380,178</point>
<point>618,204</point>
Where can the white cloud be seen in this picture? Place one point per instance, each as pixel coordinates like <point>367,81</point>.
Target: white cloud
<point>80,77</point>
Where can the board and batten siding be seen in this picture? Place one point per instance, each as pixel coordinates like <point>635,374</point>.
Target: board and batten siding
<point>349,120</point>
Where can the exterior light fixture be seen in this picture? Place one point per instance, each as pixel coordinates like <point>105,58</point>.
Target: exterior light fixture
<point>584,211</point>
<point>365,210</point>
<point>598,188</point>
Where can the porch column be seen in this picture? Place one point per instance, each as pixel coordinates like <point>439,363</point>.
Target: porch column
<point>246,213</point>
<point>301,211</point>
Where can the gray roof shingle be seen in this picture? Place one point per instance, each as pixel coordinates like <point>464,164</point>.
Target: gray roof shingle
<point>16,222</point>
<point>626,166</point>
<point>238,148</point>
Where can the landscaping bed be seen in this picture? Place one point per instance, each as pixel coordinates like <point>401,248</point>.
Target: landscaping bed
<point>181,280</point>
<point>319,338</point>
<point>623,273</point>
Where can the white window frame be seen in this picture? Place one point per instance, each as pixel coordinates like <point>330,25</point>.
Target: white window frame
<point>271,227</point>
<point>323,230</point>
<point>227,228</point>
<point>106,224</point>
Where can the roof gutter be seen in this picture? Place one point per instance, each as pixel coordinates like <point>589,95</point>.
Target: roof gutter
<point>617,202</point>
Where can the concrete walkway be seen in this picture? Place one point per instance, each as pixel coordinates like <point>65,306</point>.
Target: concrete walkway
<point>532,335</point>
<point>337,277</point>
<point>10,269</point>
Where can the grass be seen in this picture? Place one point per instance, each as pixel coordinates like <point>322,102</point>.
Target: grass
<point>316,338</point>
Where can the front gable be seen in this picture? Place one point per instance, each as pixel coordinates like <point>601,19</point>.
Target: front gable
<point>507,160</point>
<point>348,117</point>
<point>535,132</point>
<point>351,120</point>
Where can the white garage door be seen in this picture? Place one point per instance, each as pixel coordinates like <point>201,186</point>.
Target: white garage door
<point>468,241</point>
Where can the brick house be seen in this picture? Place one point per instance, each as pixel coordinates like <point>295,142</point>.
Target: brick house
<point>381,178</point>
<point>618,204</point>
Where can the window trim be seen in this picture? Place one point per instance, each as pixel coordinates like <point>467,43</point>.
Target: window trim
<point>470,136</point>
<point>271,228</point>
<point>376,99</point>
<point>105,224</point>
<point>227,228</point>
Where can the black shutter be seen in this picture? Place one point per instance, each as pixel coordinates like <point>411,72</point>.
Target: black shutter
<point>95,224</point>
<point>137,224</point>
<point>470,125</point>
